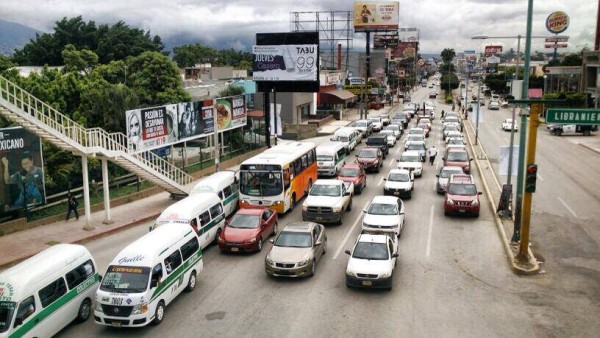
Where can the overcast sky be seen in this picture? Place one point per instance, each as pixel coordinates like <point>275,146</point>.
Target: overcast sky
<point>233,23</point>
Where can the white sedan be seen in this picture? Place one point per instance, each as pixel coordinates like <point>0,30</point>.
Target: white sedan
<point>372,261</point>
<point>386,214</point>
<point>508,125</point>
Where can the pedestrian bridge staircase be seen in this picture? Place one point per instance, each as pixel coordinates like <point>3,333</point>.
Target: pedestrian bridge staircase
<point>46,122</point>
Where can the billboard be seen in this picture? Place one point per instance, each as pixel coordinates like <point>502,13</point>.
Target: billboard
<point>285,63</point>
<point>385,41</point>
<point>493,50</point>
<point>157,127</point>
<point>22,170</point>
<point>405,50</point>
<point>376,16</point>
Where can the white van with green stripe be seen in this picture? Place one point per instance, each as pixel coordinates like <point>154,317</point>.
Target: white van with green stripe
<point>203,212</point>
<point>43,294</point>
<point>226,185</point>
<point>147,275</point>
<point>331,157</point>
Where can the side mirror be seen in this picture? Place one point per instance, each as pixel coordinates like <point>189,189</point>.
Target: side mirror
<point>153,283</point>
<point>470,159</point>
<point>355,155</point>
<point>397,160</point>
<point>271,241</point>
<point>395,255</point>
<point>317,243</point>
<point>479,193</point>
<point>437,175</point>
<point>99,277</point>
<point>365,211</point>
<point>347,252</point>
<point>385,178</point>
<point>347,193</point>
<point>18,321</point>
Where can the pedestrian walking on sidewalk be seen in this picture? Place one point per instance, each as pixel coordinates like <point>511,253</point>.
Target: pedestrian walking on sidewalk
<point>73,204</point>
<point>431,152</point>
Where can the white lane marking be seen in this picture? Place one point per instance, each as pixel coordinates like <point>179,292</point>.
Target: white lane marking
<point>350,231</point>
<point>380,181</point>
<point>392,162</point>
<point>568,208</point>
<point>540,177</point>
<point>428,250</point>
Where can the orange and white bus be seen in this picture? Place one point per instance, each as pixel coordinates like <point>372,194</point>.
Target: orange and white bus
<point>278,177</point>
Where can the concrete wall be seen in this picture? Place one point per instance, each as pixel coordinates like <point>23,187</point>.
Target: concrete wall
<point>218,73</point>
<point>290,104</point>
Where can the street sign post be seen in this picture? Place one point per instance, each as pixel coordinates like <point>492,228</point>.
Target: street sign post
<point>573,116</point>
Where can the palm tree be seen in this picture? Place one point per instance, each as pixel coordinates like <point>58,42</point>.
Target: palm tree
<point>447,55</point>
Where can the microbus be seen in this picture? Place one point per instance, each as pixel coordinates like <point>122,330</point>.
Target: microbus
<point>225,184</point>
<point>147,275</point>
<point>348,136</point>
<point>43,294</point>
<point>331,156</point>
<point>203,212</point>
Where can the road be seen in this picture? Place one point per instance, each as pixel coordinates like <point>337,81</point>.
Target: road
<point>452,280</point>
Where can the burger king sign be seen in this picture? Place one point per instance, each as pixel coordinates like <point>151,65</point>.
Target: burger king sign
<point>557,22</point>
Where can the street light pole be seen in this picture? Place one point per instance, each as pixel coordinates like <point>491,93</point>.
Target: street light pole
<point>477,117</point>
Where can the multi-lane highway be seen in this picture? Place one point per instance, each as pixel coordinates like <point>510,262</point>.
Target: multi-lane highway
<point>452,278</point>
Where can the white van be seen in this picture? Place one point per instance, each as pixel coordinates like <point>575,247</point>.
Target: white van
<point>348,136</point>
<point>147,275</point>
<point>43,294</point>
<point>226,185</point>
<point>331,156</point>
<point>203,212</point>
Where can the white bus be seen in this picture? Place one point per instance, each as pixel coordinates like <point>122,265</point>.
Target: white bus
<point>225,184</point>
<point>278,177</point>
<point>331,156</point>
<point>42,295</point>
<point>147,275</point>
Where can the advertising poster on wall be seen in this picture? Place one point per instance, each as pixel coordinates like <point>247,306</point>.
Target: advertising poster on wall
<point>376,16</point>
<point>231,113</point>
<point>285,63</point>
<point>22,169</point>
<point>206,109</point>
<point>151,128</point>
<point>190,122</point>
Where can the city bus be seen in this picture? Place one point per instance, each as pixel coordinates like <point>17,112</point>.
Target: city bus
<point>278,177</point>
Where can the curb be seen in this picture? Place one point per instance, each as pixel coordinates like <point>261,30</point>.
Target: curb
<point>86,239</point>
<point>589,148</point>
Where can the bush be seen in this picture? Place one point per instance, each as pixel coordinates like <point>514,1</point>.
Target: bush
<point>449,99</point>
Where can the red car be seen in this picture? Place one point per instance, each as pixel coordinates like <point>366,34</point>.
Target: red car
<point>370,158</point>
<point>462,196</point>
<point>459,158</point>
<point>354,173</point>
<point>247,230</point>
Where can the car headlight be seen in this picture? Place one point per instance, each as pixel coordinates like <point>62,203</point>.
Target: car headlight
<point>304,207</point>
<point>367,225</point>
<point>304,262</point>
<point>252,240</point>
<point>140,308</point>
<point>350,273</point>
<point>337,209</point>
<point>385,274</point>
<point>268,260</point>
<point>99,307</point>
<point>475,202</point>
<point>450,201</point>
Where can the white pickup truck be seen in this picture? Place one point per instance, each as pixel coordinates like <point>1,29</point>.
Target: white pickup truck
<point>327,201</point>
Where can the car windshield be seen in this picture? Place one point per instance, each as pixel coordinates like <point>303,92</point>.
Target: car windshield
<point>343,138</point>
<point>360,124</point>
<point>456,141</point>
<point>449,172</point>
<point>261,183</point>
<point>375,120</point>
<point>325,190</point>
<point>416,138</point>
<point>399,177</point>
<point>7,309</point>
<point>368,154</point>
<point>392,128</point>
<point>245,221</point>
<point>371,251</point>
<point>457,156</point>
<point>125,279</point>
<point>383,209</point>
<point>409,158</point>
<point>324,157</point>
<point>348,172</point>
<point>415,146</point>
<point>462,189</point>
<point>292,239</point>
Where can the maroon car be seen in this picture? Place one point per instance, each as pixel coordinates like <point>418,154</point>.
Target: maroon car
<point>462,196</point>
<point>370,158</point>
<point>459,158</point>
<point>247,230</point>
<point>355,174</point>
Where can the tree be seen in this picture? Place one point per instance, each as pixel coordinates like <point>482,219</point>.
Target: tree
<point>448,55</point>
<point>190,55</point>
<point>232,90</point>
<point>572,60</point>
<point>79,61</point>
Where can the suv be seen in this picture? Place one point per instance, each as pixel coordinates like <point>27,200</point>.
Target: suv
<point>571,129</point>
<point>458,157</point>
<point>379,140</point>
<point>370,158</point>
<point>354,173</point>
<point>462,196</point>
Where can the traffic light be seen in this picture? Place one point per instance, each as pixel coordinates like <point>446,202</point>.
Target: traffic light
<point>530,178</point>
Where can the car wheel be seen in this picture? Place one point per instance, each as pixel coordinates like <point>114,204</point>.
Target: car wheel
<point>216,240</point>
<point>191,282</point>
<point>313,268</point>
<point>558,132</point>
<point>274,229</point>
<point>259,245</point>
<point>409,195</point>
<point>476,215</point>
<point>377,168</point>
<point>325,247</point>
<point>85,309</point>
<point>586,133</point>
<point>359,190</point>
<point>349,208</point>
<point>159,314</point>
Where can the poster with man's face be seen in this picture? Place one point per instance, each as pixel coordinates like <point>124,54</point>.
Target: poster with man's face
<point>22,170</point>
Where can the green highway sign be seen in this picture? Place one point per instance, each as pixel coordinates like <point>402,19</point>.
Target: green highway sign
<point>573,116</point>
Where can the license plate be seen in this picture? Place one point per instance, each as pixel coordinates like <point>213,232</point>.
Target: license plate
<point>396,193</point>
<point>115,324</point>
<point>235,249</point>
<point>318,218</point>
<point>461,210</point>
<point>367,283</point>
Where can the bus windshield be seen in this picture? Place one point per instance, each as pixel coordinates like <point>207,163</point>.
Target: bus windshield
<point>7,309</point>
<point>261,183</point>
<point>126,279</point>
